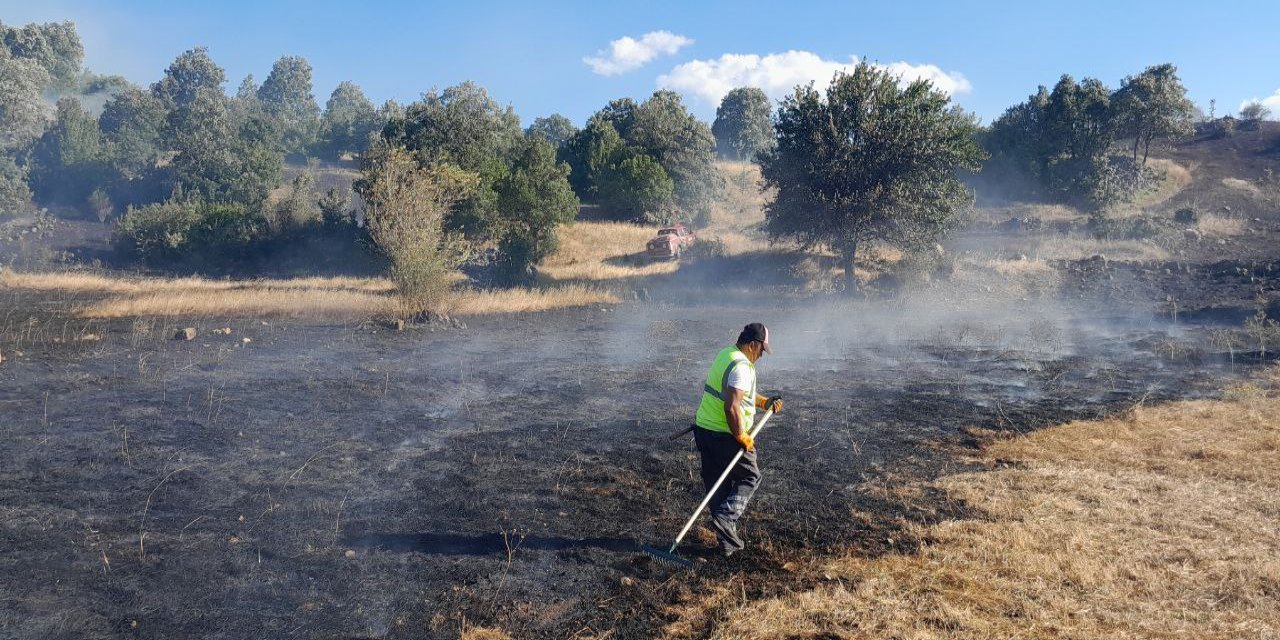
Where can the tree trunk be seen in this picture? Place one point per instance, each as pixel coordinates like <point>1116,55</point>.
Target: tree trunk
<point>1136,138</point>
<point>1146,150</point>
<point>850,260</point>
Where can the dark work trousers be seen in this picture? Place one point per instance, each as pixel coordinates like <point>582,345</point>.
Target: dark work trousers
<point>730,501</point>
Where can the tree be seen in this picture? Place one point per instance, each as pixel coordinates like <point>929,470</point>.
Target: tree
<point>681,143</point>
<point>349,119</point>
<point>635,186</point>
<point>1253,113</point>
<point>131,122</point>
<point>191,75</point>
<point>66,163</point>
<point>1153,105</point>
<point>742,127</point>
<point>461,125</point>
<point>15,196</point>
<point>56,47</point>
<point>215,154</point>
<point>406,206</point>
<point>286,97</point>
<point>554,128</point>
<point>464,127</point>
<point>872,161</point>
<point>534,198</point>
<point>22,109</point>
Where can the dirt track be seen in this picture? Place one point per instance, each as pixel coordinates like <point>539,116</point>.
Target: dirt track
<point>335,481</point>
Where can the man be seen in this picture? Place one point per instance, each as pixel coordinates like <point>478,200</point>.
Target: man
<point>722,428</point>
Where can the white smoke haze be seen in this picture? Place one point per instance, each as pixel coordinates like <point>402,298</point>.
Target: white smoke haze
<point>1271,102</point>
<point>777,74</point>
<point>627,53</point>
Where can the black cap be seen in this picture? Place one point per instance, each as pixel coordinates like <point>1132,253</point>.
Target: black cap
<point>755,332</point>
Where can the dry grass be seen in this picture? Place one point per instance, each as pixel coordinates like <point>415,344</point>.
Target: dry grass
<point>524,300</point>
<point>1081,247</point>
<point>1160,524</point>
<point>317,298</point>
<point>1242,185</point>
<point>1215,226</point>
<point>1021,268</point>
<point>598,251</point>
<point>1176,178</point>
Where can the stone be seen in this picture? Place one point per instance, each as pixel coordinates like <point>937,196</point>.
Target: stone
<point>187,334</point>
<point>1192,235</point>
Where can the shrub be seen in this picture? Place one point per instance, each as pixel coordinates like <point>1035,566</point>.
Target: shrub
<point>156,232</point>
<point>1224,127</point>
<point>636,186</point>
<point>1186,215</point>
<point>15,197</point>
<point>297,211</point>
<point>405,210</point>
<point>706,247</point>
<point>173,230</point>
<point>1252,115</point>
<point>335,208</point>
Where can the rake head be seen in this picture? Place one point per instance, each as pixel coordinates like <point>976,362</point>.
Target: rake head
<point>667,556</point>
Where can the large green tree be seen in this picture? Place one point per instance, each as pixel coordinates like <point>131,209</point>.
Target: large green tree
<point>464,127</point>
<point>66,164</point>
<point>869,161</point>
<point>214,153</point>
<point>554,128</point>
<point>534,199</point>
<point>22,110</point>
<point>131,122</point>
<point>55,46</point>
<point>286,97</point>
<point>1153,105</point>
<point>349,119</point>
<point>664,129</point>
<point>742,127</point>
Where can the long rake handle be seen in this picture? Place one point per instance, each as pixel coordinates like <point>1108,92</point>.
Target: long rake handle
<point>716,487</point>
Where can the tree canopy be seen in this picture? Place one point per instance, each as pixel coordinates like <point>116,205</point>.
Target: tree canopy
<point>554,128</point>
<point>868,161</point>
<point>286,97</point>
<point>1153,105</point>
<point>742,127</point>
<point>349,120</point>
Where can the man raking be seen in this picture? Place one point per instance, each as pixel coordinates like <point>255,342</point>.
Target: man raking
<point>722,432</point>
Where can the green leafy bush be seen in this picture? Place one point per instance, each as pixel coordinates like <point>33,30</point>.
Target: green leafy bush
<point>156,232</point>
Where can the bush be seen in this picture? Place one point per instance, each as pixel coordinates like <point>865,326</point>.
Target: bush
<point>1135,228</point>
<point>1186,215</point>
<point>405,210</point>
<point>156,232</point>
<point>635,187</point>
<point>297,211</point>
<point>1223,127</point>
<point>708,247</point>
<point>174,230</point>
<point>335,208</point>
<point>916,268</point>
<point>15,197</point>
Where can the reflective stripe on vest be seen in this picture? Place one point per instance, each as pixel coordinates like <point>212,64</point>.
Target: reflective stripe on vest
<point>711,409</point>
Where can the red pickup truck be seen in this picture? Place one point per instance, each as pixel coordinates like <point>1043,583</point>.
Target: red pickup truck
<point>669,243</point>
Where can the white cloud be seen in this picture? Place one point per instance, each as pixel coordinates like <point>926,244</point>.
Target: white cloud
<point>627,53</point>
<point>1271,102</point>
<point>779,73</point>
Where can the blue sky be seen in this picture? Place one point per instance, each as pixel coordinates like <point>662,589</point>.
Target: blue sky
<point>531,55</point>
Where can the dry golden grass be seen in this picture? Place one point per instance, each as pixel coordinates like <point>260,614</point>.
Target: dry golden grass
<point>483,633</point>
<point>1242,185</point>
<point>523,300</point>
<point>1176,178</point>
<point>1160,524</point>
<point>336,298</point>
<point>1215,226</point>
<point>1081,247</point>
<point>597,251</point>
<point>1021,268</point>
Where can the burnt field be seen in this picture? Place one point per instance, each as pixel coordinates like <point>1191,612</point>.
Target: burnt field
<point>292,479</point>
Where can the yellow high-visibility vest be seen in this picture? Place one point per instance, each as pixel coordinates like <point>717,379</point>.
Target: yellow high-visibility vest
<point>711,409</point>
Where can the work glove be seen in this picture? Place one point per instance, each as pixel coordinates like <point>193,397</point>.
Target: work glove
<point>765,402</point>
<point>746,441</point>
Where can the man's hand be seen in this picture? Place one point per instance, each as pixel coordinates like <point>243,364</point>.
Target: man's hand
<point>746,441</point>
<point>767,403</point>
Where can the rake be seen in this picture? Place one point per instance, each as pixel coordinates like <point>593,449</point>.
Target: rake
<point>669,555</point>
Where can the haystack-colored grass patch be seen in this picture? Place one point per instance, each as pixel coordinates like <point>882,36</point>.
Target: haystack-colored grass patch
<point>1160,524</point>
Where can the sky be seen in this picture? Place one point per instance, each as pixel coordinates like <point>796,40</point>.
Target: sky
<point>573,57</point>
